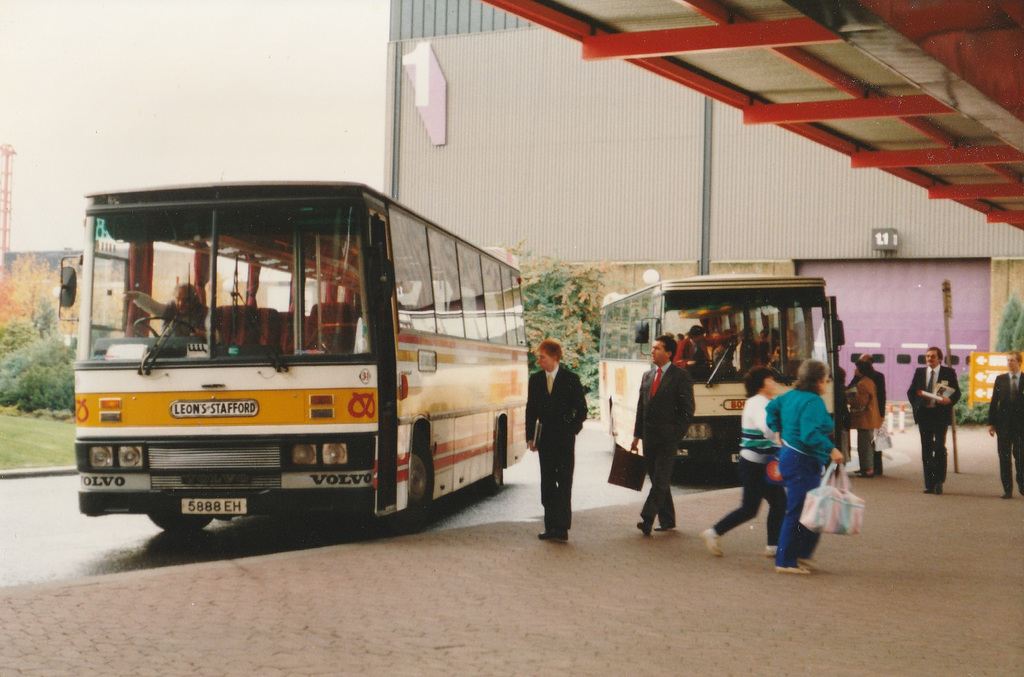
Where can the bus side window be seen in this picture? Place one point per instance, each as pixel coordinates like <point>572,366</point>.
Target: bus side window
<point>413,286</point>
<point>472,288</point>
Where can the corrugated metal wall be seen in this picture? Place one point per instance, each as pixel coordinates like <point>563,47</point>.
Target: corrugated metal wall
<point>412,19</point>
<point>541,150</point>
<point>603,161</point>
<point>777,195</point>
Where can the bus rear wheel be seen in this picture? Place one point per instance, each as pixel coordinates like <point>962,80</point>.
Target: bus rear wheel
<point>175,523</point>
<point>492,484</point>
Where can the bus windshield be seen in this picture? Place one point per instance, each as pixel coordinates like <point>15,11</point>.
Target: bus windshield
<point>228,283</point>
<point>729,331</point>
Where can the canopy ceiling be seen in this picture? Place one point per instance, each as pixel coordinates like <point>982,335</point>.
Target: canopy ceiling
<point>931,91</point>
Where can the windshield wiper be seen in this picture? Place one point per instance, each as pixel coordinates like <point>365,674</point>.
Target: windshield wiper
<point>149,359</point>
<point>726,356</point>
<point>275,357</point>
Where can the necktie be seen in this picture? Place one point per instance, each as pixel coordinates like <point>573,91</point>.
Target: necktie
<point>550,381</point>
<point>1013,387</point>
<point>657,380</point>
<point>931,387</point>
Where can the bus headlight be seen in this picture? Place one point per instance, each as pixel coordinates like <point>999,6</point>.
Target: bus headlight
<point>129,457</point>
<point>304,454</point>
<point>101,457</point>
<point>335,453</point>
<point>698,431</point>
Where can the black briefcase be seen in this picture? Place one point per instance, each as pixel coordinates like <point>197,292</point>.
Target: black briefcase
<point>628,469</point>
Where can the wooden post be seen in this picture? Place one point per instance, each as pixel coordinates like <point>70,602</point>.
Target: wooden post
<point>947,312</point>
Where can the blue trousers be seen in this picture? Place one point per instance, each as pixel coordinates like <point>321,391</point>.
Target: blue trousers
<point>756,487</point>
<point>800,474</point>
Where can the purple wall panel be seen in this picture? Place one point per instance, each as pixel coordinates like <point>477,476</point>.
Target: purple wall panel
<point>894,308</point>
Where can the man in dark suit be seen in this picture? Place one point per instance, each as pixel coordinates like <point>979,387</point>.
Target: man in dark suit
<point>556,408</point>
<point>933,416</point>
<point>663,414</point>
<point>1006,419</point>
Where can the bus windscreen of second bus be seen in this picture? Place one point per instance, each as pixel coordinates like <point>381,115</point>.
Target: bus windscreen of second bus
<point>744,329</point>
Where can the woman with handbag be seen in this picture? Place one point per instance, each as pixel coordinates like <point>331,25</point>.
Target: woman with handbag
<point>804,423</point>
<point>864,415</point>
<point>757,448</point>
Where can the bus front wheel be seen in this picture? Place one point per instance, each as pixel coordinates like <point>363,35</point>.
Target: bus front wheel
<point>421,488</point>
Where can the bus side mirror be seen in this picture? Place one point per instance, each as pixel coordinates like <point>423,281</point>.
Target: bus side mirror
<point>838,334</point>
<point>642,332</point>
<point>68,286</point>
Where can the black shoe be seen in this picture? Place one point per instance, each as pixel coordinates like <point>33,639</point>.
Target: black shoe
<point>929,491</point>
<point>562,536</point>
<point>644,527</point>
<point>1008,495</point>
<point>662,527</point>
<point>547,535</point>
<point>938,489</point>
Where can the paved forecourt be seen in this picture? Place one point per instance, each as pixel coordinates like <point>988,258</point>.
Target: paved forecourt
<point>933,586</point>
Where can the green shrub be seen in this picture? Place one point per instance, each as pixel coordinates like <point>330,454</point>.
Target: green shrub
<point>38,376</point>
<point>978,414</point>
<point>563,301</point>
<point>1010,334</point>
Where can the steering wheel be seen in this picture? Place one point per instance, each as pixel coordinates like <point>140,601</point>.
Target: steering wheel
<point>144,323</point>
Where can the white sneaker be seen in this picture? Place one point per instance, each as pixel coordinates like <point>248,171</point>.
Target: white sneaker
<point>792,570</point>
<point>807,563</point>
<point>771,550</point>
<point>710,537</point>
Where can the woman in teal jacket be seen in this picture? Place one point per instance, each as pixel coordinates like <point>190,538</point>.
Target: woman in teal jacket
<point>805,424</point>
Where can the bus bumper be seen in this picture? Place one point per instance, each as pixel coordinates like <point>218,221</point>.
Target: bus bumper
<point>352,501</point>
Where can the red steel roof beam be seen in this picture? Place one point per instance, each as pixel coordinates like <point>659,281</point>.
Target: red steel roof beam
<point>695,81</point>
<point>844,109</point>
<point>971,155</point>
<point>1015,217</point>
<point>977,191</point>
<point>542,15</point>
<point>647,44</point>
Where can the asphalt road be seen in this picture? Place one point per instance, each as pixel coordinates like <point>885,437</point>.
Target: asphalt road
<point>43,537</point>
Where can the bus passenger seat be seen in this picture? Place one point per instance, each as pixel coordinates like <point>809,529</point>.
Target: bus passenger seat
<point>237,325</point>
<point>270,327</point>
<point>338,332</point>
<point>287,332</point>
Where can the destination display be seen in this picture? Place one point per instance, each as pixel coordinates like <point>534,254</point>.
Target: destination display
<point>214,408</point>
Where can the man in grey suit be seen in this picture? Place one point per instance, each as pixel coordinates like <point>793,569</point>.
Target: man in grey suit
<point>663,414</point>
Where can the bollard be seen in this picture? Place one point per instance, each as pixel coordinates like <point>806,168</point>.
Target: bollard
<point>888,420</point>
<point>903,418</point>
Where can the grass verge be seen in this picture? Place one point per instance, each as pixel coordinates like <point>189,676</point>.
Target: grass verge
<point>35,443</point>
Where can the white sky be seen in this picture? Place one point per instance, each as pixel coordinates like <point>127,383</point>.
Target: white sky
<point>105,95</point>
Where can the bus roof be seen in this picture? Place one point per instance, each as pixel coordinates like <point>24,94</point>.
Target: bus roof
<point>727,282</point>
<point>217,192</point>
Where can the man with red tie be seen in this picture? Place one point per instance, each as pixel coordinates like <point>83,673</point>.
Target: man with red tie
<point>663,414</point>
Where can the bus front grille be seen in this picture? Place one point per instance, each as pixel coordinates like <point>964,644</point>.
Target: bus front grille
<point>215,480</point>
<point>198,458</point>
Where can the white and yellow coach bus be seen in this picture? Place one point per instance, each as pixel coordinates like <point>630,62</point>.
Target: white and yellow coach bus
<point>739,322</point>
<point>329,350</point>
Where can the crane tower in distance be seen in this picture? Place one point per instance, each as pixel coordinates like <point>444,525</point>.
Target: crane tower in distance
<point>6,161</point>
